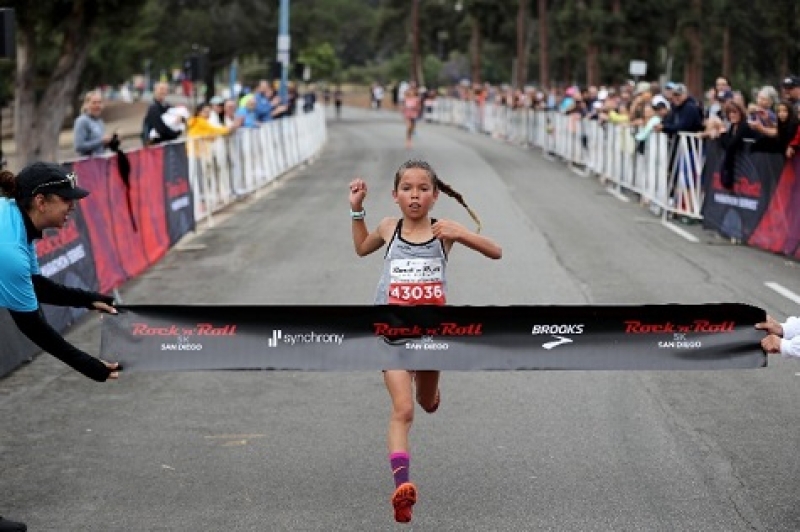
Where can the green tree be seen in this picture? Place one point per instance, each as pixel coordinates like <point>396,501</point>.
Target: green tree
<point>322,60</point>
<point>53,47</point>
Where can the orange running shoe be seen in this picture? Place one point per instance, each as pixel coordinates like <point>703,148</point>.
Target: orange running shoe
<point>403,501</point>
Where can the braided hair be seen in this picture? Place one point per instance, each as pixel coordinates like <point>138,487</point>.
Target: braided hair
<point>438,184</point>
<point>8,184</point>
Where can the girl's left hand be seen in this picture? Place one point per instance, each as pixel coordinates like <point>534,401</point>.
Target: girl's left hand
<point>448,230</point>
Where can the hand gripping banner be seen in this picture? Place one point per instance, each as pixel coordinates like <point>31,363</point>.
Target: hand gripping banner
<point>353,338</point>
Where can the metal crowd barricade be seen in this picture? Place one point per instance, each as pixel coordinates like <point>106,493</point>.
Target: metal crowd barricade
<point>665,174</point>
<point>686,175</point>
<point>223,169</point>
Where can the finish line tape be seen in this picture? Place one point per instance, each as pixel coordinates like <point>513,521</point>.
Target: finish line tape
<point>367,338</point>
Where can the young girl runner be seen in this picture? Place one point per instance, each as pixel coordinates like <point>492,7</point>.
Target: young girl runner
<point>415,236</point>
<point>411,109</point>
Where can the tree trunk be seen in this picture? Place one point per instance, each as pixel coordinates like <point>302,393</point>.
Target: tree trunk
<point>522,39</point>
<point>592,65</point>
<point>693,72</point>
<point>726,51</point>
<point>531,35</point>
<point>544,43</point>
<point>475,46</point>
<point>57,98</point>
<point>784,62</point>
<point>616,9</point>
<point>25,127</point>
<point>37,126</point>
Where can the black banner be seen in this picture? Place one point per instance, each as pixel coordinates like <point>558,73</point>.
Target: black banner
<point>179,202</point>
<point>348,338</point>
<point>65,255</point>
<point>736,212</point>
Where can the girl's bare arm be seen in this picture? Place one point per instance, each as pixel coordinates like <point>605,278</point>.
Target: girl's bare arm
<point>451,231</point>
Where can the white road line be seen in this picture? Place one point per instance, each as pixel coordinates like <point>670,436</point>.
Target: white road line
<point>682,232</point>
<point>785,292</point>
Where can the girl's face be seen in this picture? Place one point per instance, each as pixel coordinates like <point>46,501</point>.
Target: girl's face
<point>415,193</point>
<point>734,117</point>
<point>783,113</point>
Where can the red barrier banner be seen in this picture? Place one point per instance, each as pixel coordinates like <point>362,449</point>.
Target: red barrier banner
<point>125,214</point>
<point>763,207</point>
<point>146,192</point>
<point>100,221</point>
<point>779,230</point>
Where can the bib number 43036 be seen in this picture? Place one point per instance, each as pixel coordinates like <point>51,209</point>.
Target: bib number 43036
<point>416,294</point>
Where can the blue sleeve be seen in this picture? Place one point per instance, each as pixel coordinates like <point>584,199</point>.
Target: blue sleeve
<point>645,131</point>
<point>16,285</point>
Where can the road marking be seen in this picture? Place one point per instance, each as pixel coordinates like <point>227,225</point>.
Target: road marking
<point>681,232</point>
<point>233,436</point>
<point>785,292</point>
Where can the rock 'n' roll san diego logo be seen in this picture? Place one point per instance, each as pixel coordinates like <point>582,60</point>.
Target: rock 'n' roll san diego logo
<point>183,337</point>
<point>426,338</point>
<point>680,333</point>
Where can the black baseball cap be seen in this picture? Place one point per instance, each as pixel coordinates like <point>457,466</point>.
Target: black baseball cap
<point>791,82</point>
<point>49,178</point>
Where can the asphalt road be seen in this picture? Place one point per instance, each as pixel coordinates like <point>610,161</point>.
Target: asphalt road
<point>544,451</point>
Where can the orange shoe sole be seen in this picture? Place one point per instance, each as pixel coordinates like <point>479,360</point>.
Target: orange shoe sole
<point>403,500</point>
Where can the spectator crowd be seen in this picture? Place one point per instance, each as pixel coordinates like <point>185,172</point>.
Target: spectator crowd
<point>767,118</point>
<point>165,122</point>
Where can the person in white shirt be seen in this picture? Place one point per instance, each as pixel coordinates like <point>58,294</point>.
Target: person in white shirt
<point>783,338</point>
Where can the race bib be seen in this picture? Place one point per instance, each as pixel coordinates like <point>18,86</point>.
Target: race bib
<point>416,282</point>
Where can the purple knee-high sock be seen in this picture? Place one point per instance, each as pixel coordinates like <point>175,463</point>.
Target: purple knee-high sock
<point>401,462</point>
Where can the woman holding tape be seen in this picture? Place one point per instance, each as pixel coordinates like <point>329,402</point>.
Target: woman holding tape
<point>42,196</point>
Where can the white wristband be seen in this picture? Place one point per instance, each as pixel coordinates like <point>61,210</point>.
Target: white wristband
<point>358,215</point>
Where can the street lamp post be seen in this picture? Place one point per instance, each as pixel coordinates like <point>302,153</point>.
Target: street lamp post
<point>415,42</point>
<point>442,36</point>
<point>284,46</point>
<point>147,65</point>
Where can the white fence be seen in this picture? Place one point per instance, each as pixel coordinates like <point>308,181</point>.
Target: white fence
<point>666,174</point>
<point>222,170</point>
